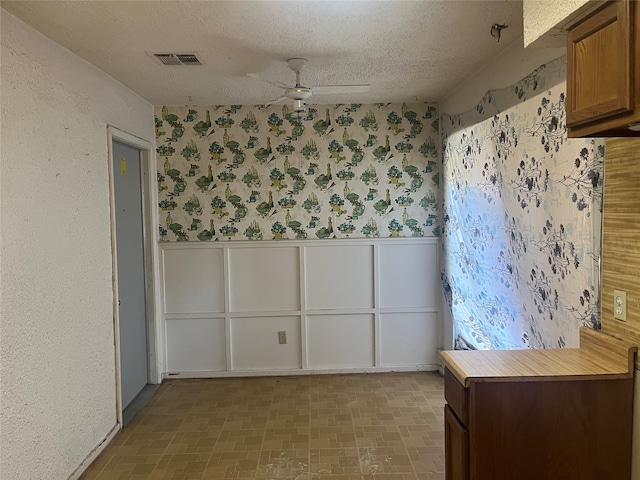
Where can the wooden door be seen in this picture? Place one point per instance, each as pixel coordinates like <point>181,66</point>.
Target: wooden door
<point>456,442</point>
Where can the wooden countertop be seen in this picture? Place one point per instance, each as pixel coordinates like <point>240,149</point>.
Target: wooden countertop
<point>599,355</point>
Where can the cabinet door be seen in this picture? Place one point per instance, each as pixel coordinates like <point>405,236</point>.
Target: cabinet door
<point>600,65</point>
<point>456,443</point>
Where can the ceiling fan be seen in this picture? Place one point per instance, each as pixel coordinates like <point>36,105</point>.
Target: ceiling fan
<point>299,93</point>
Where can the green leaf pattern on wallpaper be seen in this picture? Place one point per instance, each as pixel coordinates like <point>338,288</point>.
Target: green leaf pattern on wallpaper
<point>250,172</point>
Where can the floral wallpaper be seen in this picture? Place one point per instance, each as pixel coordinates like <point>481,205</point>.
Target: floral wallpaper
<point>521,218</point>
<point>242,172</point>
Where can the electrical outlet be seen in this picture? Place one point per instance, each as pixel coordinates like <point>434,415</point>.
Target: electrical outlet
<point>282,337</point>
<point>620,305</point>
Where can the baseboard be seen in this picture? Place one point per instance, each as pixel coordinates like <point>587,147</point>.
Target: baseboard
<point>297,372</point>
<point>89,459</point>
<point>440,362</point>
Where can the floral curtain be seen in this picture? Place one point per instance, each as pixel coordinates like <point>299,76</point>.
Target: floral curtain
<point>521,219</point>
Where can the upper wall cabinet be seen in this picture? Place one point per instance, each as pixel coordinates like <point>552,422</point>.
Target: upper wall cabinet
<point>603,76</point>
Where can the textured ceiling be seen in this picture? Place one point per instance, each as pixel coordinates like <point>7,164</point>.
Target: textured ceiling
<point>406,50</point>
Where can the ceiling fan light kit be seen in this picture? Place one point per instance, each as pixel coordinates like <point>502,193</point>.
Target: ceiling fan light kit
<point>299,106</point>
<point>299,93</point>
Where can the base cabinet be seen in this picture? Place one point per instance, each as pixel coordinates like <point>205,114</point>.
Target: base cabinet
<point>457,447</point>
<point>538,428</point>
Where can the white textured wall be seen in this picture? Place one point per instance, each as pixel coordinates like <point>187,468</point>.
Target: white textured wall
<point>58,398</point>
<point>543,20</point>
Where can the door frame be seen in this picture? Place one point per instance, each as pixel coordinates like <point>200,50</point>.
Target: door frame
<point>151,259</point>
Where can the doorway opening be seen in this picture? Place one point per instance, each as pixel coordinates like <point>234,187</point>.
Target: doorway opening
<point>134,259</point>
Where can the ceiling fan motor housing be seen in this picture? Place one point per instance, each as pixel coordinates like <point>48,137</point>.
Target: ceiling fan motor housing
<point>298,93</point>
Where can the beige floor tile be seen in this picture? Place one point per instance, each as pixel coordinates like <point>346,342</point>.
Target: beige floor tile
<point>330,427</point>
<point>334,461</point>
<point>289,464</point>
<point>322,476</point>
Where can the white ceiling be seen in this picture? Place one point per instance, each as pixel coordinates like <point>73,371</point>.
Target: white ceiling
<point>406,50</point>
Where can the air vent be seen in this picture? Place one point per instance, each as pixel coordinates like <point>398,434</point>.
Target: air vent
<point>188,59</point>
<point>178,58</point>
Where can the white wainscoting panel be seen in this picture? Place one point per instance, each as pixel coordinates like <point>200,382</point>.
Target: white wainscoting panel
<point>264,279</point>
<point>408,339</point>
<point>196,282</point>
<point>346,305</point>
<point>409,275</point>
<point>339,277</point>
<point>196,345</point>
<point>340,341</point>
<point>254,343</point>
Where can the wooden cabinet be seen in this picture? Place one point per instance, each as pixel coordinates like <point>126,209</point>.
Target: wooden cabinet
<point>603,72</point>
<point>456,445</point>
<point>539,414</point>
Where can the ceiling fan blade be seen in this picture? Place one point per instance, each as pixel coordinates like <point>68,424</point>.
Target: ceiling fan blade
<point>277,100</point>
<point>275,83</point>
<point>327,89</point>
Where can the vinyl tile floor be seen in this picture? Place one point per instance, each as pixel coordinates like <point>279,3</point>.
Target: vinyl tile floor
<point>335,427</point>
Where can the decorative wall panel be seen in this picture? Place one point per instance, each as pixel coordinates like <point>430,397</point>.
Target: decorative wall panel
<point>339,276</point>
<point>255,345</point>
<point>408,339</point>
<point>341,341</point>
<point>196,345</point>
<point>325,296</point>
<point>243,172</point>
<point>195,281</point>
<point>522,218</point>
<point>264,279</point>
<point>417,268</point>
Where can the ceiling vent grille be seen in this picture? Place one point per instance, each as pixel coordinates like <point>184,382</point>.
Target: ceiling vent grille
<point>188,59</point>
<point>178,58</point>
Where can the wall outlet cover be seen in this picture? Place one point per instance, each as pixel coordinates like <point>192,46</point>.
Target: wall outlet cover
<point>620,305</point>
